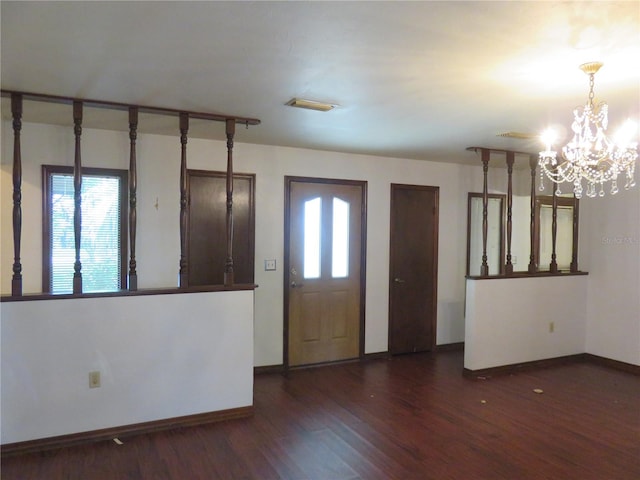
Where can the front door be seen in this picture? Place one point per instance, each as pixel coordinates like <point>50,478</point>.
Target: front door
<point>413,268</point>
<point>324,270</point>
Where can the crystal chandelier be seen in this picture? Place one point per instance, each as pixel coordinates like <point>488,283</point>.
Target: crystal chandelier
<point>590,155</point>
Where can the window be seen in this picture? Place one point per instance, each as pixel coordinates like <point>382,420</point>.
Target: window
<point>340,260</point>
<point>313,238</point>
<point>103,235</point>
<point>312,228</point>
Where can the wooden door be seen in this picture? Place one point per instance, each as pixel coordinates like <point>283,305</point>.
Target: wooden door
<point>207,237</point>
<point>324,270</point>
<point>413,268</point>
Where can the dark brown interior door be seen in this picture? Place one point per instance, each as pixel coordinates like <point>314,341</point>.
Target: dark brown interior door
<point>207,237</point>
<point>413,268</point>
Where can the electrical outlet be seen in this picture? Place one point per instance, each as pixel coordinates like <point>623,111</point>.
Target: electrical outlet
<point>552,327</point>
<point>94,379</point>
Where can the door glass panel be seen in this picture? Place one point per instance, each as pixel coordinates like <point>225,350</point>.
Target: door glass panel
<point>340,260</point>
<point>312,209</point>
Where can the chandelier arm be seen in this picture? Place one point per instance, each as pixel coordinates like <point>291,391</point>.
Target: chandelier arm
<point>590,155</point>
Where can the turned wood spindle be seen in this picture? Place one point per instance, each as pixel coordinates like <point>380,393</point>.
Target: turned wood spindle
<point>16,111</point>
<point>228,267</point>
<point>77,196</point>
<point>553,266</point>
<point>532,222</point>
<point>484,268</point>
<point>133,182</point>
<point>508,268</point>
<point>184,264</point>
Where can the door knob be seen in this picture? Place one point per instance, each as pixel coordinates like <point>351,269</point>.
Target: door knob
<point>398,280</point>
<point>298,285</point>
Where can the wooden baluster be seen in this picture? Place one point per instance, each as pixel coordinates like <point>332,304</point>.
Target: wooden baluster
<point>16,110</point>
<point>228,267</point>
<point>184,264</point>
<point>77,196</point>
<point>574,250</point>
<point>553,266</point>
<point>133,182</point>
<point>533,161</point>
<point>508,268</point>
<point>484,268</point>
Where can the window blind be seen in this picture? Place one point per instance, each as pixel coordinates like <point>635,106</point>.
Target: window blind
<point>100,233</point>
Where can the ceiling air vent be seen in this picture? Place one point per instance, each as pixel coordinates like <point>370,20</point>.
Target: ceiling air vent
<point>310,104</point>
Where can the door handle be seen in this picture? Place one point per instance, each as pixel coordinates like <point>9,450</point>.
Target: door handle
<point>398,280</point>
<point>296,285</point>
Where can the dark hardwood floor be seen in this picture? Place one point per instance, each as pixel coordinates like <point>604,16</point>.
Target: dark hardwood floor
<point>409,417</point>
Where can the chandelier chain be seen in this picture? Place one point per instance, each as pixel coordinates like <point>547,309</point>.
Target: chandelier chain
<point>591,94</point>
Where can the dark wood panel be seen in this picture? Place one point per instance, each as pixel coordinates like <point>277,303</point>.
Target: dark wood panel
<point>207,239</point>
<point>405,417</point>
<point>413,268</point>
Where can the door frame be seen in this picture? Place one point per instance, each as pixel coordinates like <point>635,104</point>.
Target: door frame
<point>392,239</point>
<point>288,180</point>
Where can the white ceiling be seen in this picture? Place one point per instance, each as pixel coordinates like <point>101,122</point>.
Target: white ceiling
<point>419,80</point>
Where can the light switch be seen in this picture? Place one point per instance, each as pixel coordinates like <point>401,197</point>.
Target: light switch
<point>269,265</point>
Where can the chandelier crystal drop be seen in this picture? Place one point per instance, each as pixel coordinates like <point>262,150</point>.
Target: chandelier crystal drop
<point>590,155</point>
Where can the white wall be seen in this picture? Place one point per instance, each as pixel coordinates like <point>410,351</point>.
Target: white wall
<point>160,356</point>
<point>507,321</point>
<point>158,249</point>
<point>611,227</point>
<point>612,322</point>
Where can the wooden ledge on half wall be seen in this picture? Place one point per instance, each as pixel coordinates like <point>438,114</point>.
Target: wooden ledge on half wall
<point>523,274</point>
<point>130,293</point>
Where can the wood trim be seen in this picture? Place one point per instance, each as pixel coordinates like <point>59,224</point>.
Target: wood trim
<point>363,264</point>
<point>484,268</point>
<point>183,274</point>
<point>132,293</point>
<point>532,268</point>
<point>450,347</point>
<point>553,266</point>
<point>77,196</point>
<point>483,373</point>
<point>133,185</point>
<point>40,97</point>
<point>230,131</point>
<point>508,268</point>
<point>376,356</point>
<point>561,273</point>
<point>124,431</point>
<point>363,184</point>
<point>495,150</point>
<point>268,369</point>
<point>574,251</point>
<point>615,364</point>
<point>16,112</point>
